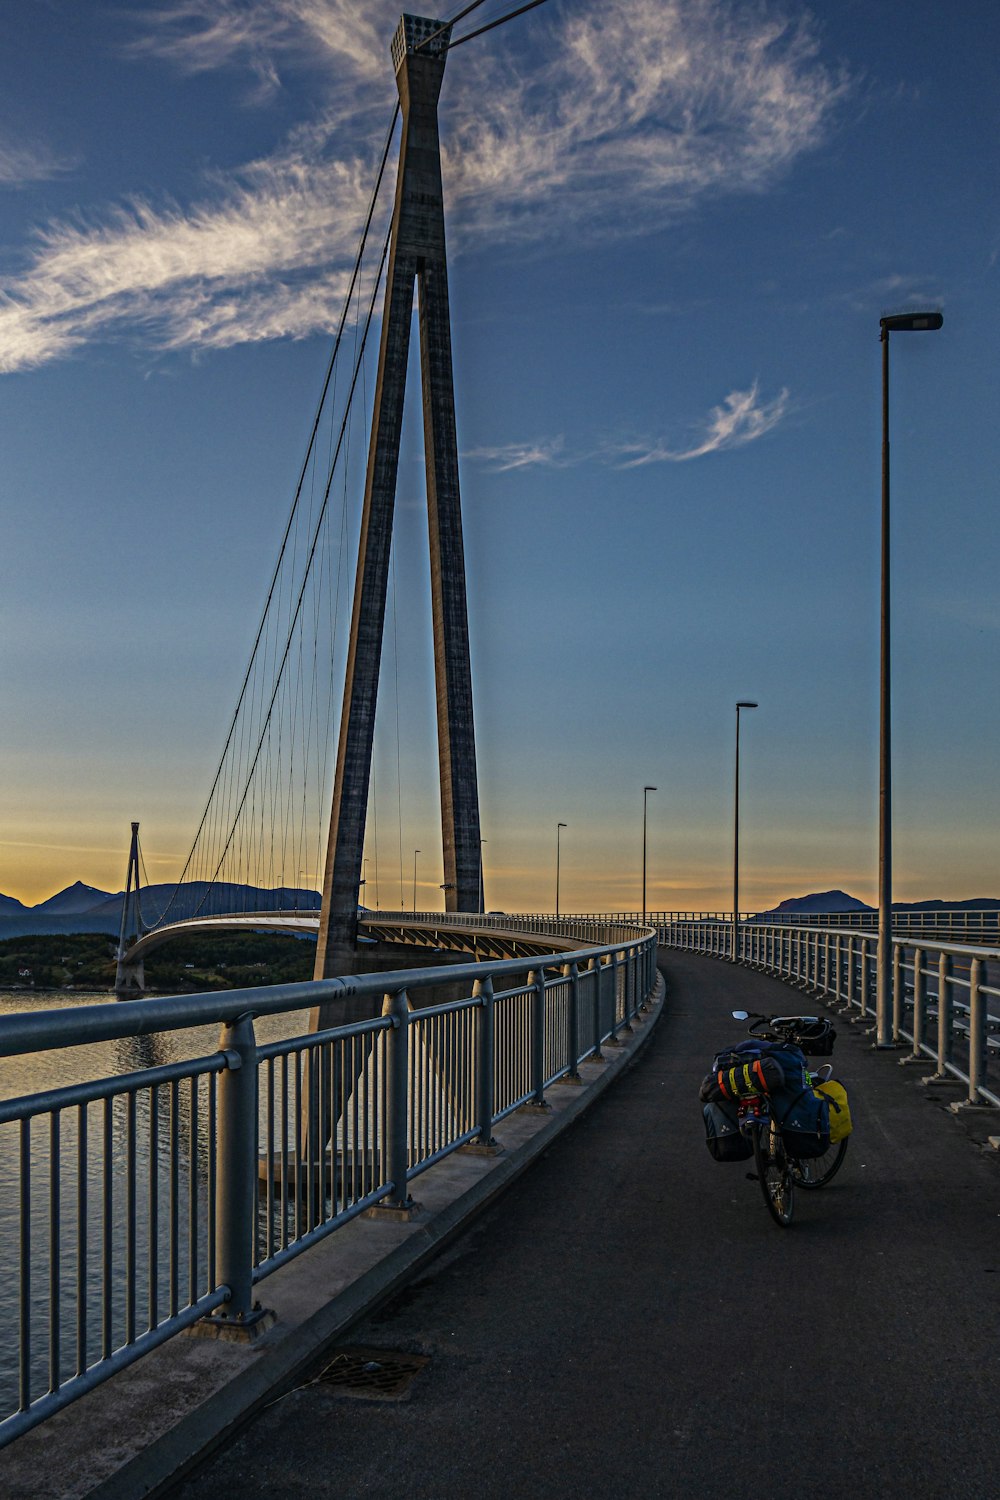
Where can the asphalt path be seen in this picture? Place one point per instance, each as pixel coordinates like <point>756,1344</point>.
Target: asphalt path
<point>628,1320</point>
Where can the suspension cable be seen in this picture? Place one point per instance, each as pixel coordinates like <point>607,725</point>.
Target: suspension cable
<point>305,580</point>
<point>298,491</point>
<point>491,25</point>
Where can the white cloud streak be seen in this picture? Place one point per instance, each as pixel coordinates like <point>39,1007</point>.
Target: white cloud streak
<point>22,162</point>
<point>741,419</point>
<point>616,120</point>
<point>545,453</point>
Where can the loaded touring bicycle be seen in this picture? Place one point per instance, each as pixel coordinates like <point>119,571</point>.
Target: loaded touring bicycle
<point>761,1101</point>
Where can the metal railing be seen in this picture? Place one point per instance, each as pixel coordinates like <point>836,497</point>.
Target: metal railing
<point>151,1199</point>
<point>941,992</point>
<point>960,924</point>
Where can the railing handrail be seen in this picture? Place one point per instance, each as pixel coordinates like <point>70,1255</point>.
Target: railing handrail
<point>837,964</point>
<point>352,1112</point>
<point>908,940</point>
<point>31,1031</point>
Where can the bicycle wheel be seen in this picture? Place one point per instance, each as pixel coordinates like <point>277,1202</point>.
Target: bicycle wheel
<point>817,1171</point>
<point>774,1173</point>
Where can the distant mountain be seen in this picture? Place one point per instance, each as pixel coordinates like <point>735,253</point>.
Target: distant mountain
<point>84,908</point>
<point>75,898</point>
<point>821,901</point>
<point>977,903</point>
<point>10,904</point>
<point>838,901</point>
<point>199,898</point>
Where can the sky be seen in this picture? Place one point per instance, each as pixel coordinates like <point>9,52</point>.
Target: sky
<point>673,226</point>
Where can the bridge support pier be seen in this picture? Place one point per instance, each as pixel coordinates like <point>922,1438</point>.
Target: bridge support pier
<point>130,980</point>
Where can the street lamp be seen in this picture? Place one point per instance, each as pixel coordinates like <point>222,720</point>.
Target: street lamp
<point>921,322</point>
<point>645,792</point>
<point>482,887</point>
<point>415,853</point>
<point>558,826</point>
<point>736,836</point>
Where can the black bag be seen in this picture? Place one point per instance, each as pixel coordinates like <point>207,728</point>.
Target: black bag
<point>737,1076</point>
<point>722,1134</point>
<point>817,1039</point>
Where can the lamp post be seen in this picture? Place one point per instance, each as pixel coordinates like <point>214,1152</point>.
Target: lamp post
<point>921,322</point>
<point>558,827</point>
<point>415,853</point>
<point>645,792</point>
<point>482,886</point>
<point>736,836</point>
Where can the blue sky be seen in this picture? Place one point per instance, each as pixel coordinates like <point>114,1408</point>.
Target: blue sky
<point>673,226</point>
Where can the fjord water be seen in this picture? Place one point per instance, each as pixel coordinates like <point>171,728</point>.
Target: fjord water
<point>42,1071</point>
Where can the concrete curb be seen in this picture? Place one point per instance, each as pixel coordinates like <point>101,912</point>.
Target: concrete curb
<point>279,1369</point>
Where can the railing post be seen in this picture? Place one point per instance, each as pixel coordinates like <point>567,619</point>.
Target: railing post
<point>898,992</point>
<point>536,978</point>
<point>235,1219</point>
<point>919,1004</point>
<point>397,1125</point>
<point>612,964</point>
<point>621,967</point>
<point>863,979</point>
<point>944,1040</point>
<point>596,968</point>
<point>484,1143</point>
<point>572,973</point>
<point>977,1031</point>
<point>849,997</point>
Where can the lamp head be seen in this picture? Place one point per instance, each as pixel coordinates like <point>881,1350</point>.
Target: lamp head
<point>744,704</point>
<point>918,322</point>
<point>649,788</point>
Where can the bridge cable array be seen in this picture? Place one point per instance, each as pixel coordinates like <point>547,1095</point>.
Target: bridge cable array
<point>259,841</point>
<point>264,810</point>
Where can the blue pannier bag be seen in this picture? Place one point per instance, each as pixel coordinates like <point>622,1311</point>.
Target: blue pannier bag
<point>722,1134</point>
<point>804,1116</point>
<point>805,1123</point>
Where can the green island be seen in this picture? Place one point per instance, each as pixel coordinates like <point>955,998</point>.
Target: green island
<point>86,961</point>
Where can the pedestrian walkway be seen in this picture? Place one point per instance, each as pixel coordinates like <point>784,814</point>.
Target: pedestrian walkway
<point>628,1320</point>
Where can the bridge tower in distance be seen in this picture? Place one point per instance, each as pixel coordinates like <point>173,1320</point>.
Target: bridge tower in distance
<point>417,257</point>
<point>130,978</point>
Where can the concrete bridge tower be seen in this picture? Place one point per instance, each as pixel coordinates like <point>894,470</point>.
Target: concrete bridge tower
<point>417,257</point>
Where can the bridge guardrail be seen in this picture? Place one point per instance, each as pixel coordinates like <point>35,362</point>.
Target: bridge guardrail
<point>941,994</point>
<point>151,1199</point>
<point>945,923</point>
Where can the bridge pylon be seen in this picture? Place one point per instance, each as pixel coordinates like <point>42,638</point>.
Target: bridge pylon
<point>417,258</point>
<point>130,978</point>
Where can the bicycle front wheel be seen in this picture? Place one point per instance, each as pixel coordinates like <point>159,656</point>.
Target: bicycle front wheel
<point>817,1171</point>
<point>774,1173</point>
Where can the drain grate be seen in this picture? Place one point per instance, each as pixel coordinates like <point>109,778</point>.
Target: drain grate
<point>374,1374</point>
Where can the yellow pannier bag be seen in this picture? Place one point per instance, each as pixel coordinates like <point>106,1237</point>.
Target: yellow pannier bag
<point>840,1111</point>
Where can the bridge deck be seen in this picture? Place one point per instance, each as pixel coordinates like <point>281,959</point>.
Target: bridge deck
<point>630,1321</point>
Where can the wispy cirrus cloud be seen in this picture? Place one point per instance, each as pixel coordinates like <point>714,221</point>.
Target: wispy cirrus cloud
<point>741,418</point>
<point>544,453</point>
<point>614,121</point>
<point>26,161</point>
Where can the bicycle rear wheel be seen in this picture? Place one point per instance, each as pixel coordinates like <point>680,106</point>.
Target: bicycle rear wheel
<point>774,1173</point>
<point>817,1171</point>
